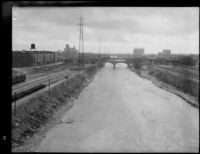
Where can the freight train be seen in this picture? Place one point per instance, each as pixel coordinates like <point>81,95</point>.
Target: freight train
<point>18,78</point>
<point>23,93</point>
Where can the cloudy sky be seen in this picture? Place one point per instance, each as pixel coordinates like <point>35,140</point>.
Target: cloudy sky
<point>119,29</point>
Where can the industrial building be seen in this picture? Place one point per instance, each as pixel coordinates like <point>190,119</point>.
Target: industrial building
<point>22,59</point>
<point>138,53</point>
<point>166,53</point>
<point>32,58</point>
<point>70,52</point>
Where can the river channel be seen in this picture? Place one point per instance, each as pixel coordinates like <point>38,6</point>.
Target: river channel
<point>122,112</point>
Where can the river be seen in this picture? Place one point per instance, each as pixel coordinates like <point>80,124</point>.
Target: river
<point>122,112</point>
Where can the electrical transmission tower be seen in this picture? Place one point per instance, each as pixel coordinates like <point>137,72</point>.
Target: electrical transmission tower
<point>81,44</point>
<point>99,48</point>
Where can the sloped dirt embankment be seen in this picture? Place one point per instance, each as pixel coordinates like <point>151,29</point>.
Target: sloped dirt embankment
<point>38,110</point>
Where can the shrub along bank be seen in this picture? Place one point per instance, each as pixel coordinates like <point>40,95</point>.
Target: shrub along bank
<point>186,85</point>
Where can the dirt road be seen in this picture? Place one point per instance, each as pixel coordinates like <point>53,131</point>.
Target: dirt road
<point>121,112</point>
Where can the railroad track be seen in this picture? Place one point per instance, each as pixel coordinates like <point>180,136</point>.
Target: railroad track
<point>17,86</point>
<point>183,72</point>
<point>54,77</point>
<point>43,80</point>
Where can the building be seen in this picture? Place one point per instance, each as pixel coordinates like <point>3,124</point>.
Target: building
<point>59,56</point>
<point>22,59</point>
<point>150,56</point>
<point>138,53</point>
<point>166,53</point>
<point>43,57</point>
<point>70,52</point>
<point>32,58</point>
<point>160,55</point>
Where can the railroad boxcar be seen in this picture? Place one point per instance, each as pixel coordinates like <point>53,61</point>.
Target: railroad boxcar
<point>18,78</point>
<point>23,93</point>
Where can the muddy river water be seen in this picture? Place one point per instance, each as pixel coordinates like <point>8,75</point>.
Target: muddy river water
<point>122,112</point>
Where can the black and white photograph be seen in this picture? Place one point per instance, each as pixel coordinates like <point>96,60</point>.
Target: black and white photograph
<point>105,79</point>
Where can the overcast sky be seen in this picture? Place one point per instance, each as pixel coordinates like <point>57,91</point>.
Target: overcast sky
<point>120,29</point>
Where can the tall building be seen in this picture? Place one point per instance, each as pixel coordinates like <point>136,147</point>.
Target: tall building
<point>70,52</point>
<point>165,54</point>
<point>138,53</point>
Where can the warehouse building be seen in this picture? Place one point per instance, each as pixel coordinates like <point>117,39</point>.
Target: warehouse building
<point>166,53</point>
<point>43,57</point>
<point>22,59</point>
<point>70,52</point>
<point>32,58</point>
<point>138,53</point>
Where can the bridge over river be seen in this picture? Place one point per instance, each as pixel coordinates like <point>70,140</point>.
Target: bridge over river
<point>115,61</point>
<point>130,61</point>
<point>122,112</point>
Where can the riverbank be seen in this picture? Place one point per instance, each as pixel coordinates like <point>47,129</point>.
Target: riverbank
<point>158,82</point>
<point>34,118</point>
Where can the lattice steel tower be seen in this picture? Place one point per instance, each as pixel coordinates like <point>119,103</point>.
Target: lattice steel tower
<point>81,43</point>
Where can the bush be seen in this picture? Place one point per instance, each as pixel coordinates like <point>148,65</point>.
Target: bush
<point>69,60</point>
<point>91,69</point>
<point>137,63</point>
<point>37,111</point>
<point>183,84</point>
<point>187,61</point>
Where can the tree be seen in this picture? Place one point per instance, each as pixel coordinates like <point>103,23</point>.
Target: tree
<point>137,63</point>
<point>187,60</point>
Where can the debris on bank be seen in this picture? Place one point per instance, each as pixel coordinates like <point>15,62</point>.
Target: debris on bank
<point>38,110</point>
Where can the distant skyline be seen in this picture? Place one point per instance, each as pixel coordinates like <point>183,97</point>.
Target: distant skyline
<point>120,29</point>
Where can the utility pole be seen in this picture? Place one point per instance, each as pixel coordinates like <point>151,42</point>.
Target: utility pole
<point>15,104</point>
<point>81,43</point>
<point>79,49</point>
